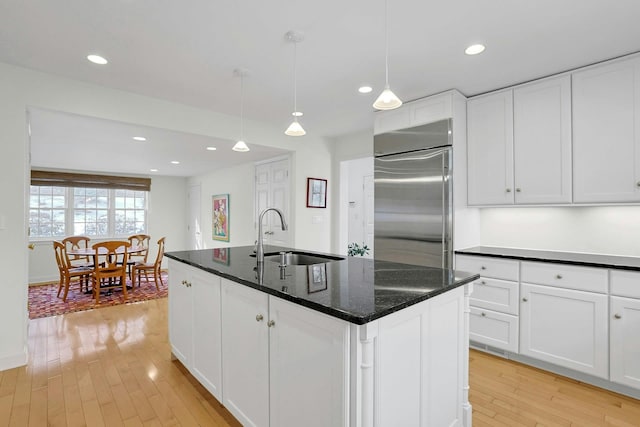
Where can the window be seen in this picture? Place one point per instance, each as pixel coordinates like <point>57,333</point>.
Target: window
<point>60,211</point>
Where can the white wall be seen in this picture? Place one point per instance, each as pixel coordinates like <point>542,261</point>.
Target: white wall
<point>603,229</point>
<point>22,88</point>
<point>358,169</point>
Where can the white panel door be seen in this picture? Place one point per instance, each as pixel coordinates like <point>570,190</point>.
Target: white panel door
<point>180,312</point>
<point>625,341</point>
<point>206,365</point>
<point>368,214</point>
<point>542,141</point>
<point>195,225</point>
<point>307,347</point>
<point>245,351</point>
<point>565,327</point>
<point>490,149</point>
<point>606,133</point>
<point>279,199</point>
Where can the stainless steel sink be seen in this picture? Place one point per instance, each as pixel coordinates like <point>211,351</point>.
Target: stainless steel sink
<point>301,258</point>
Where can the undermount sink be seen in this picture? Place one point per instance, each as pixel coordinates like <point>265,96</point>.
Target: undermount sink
<point>300,258</point>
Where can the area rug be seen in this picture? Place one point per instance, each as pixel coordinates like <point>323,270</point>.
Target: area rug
<point>43,301</point>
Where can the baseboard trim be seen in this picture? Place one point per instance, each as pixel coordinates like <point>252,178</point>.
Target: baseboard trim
<point>14,361</point>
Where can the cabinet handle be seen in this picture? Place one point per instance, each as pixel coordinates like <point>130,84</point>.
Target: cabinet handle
<point>184,282</point>
<point>638,183</point>
<point>271,323</point>
<point>259,317</point>
<point>188,284</point>
<point>483,268</point>
<point>483,314</point>
<point>617,316</point>
<point>558,276</point>
<point>524,300</point>
<point>508,190</point>
<point>482,282</point>
<point>518,190</point>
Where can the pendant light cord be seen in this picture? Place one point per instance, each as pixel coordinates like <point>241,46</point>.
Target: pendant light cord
<point>295,79</point>
<point>386,44</point>
<point>241,107</point>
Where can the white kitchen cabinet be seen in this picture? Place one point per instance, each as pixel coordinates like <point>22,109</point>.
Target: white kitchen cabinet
<point>565,327</point>
<point>245,351</point>
<point>625,341</point>
<point>284,365</point>
<point>542,141</point>
<point>498,330</point>
<point>606,133</point>
<point>490,149</point>
<point>415,113</point>
<point>194,311</point>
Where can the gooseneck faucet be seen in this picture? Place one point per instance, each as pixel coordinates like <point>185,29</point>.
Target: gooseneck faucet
<point>259,247</point>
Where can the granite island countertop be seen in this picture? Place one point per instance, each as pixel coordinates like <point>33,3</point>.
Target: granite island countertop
<point>573,258</point>
<point>354,289</point>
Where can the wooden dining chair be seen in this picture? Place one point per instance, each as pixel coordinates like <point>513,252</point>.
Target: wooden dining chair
<point>72,243</point>
<point>110,270</point>
<point>142,241</point>
<point>153,268</point>
<point>68,273</point>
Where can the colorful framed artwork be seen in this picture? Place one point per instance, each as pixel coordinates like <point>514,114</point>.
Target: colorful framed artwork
<point>316,193</point>
<point>221,255</point>
<point>317,278</point>
<point>220,225</point>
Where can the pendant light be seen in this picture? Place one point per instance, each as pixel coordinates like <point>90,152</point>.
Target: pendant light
<point>241,145</point>
<point>387,99</point>
<point>294,129</point>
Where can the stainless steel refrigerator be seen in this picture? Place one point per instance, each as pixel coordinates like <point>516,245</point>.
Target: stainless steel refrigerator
<point>413,195</point>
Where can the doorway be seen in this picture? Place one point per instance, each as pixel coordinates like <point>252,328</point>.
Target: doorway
<point>272,191</point>
<point>357,204</point>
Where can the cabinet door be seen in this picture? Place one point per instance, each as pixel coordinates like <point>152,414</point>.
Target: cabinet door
<point>542,141</point>
<point>180,310</point>
<point>625,341</point>
<point>497,295</point>
<point>565,327</point>
<point>498,330</point>
<point>206,363</point>
<point>245,351</point>
<point>606,133</point>
<point>490,149</point>
<point>307,348</point>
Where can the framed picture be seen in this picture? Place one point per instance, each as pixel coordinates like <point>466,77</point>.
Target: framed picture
<point>221,255</point>
<point>317,277</point>
<point>316,193</point>
<point>220,217</point>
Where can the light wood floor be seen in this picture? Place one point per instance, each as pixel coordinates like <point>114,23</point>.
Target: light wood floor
<point>112,367</point>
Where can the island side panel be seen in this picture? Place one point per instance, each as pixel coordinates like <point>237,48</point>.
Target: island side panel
<point>410,368</point>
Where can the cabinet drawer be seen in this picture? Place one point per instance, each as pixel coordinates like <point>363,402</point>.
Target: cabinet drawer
<point>495,329</point>
<point>625,283</point>
<point>489,267</point>
<point>495,294</point>
<point>565,276</point>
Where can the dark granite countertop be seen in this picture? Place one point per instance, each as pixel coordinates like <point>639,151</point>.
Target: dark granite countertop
<point>574,258</point>
<point>355,289</point>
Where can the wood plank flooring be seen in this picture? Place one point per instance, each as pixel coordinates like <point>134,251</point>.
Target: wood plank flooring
<point>112,367</point>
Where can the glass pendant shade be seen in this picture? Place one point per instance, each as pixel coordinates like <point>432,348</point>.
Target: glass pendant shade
<point>387,100</point>
<point>240,146</point>
<point>295,129</point>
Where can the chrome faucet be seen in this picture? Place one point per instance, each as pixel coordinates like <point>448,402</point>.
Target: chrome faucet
<point>259,247</point>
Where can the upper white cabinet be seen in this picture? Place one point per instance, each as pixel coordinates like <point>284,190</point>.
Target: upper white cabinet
<point>520,145</point>
<point>415,113</point>
<point>606,133</point>
<point>490,149</point>
<point>542,141</point>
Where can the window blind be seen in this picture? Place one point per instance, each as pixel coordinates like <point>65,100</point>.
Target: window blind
<point>65,179</point>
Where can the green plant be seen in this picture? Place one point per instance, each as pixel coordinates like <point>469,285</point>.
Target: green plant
<point>356,249</point>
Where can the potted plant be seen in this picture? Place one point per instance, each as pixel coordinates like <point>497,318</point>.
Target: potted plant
<point>355,249</point>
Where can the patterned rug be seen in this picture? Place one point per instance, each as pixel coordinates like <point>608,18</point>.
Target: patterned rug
<point>43,301</point>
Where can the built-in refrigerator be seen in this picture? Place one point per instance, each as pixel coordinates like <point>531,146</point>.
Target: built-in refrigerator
<point>413,195</point>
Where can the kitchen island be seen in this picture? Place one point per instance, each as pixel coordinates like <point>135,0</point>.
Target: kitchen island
<point>346,342</point>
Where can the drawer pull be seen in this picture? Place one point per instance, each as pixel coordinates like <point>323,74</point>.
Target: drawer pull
<point>482,282</point>
<point>617,316</point>
<point>524,300</point>
<point>483,268</point>
<point>518,190</point>
<point>259,317</point>
<point>558,276</point>
<point>483,314</point>
<point>271,323</point>
<point>508,190</point>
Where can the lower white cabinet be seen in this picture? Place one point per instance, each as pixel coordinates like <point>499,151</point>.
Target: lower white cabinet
<point>565,327</point>
<point>495,329</point>
<point>625,341</point>
<point>195,324</point>
<point>284,365</point>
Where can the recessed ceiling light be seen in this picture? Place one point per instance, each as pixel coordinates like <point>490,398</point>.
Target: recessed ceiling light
<point>97,59</point>
<point>211,148</point>
<point>365,89</point>
<point>474,49</point>
<point>297,114</point>
<point>139,138</point>
<point>175,162</point>
<point>153,170</point>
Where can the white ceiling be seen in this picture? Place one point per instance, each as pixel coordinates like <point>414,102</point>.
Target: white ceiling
<point>186,51</point>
